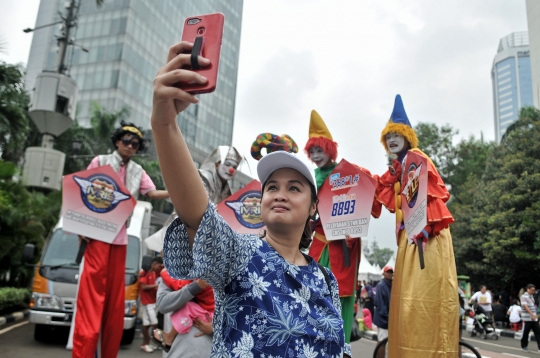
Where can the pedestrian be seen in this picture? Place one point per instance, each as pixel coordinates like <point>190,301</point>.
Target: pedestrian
<point>101,291</point>
<point>499,313</point>
<point>368,295</point>
<point>382,306</point>
<point>505,296</point>
<point>148,290</point>
<point>483,298</point>
<point>270,298</point>
<point>528,315</point>
<point>185,334</point>
<point>514,312</point>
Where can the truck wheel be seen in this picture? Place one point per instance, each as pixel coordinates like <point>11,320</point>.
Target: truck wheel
<point>127,336</point>
<point>42,333</point>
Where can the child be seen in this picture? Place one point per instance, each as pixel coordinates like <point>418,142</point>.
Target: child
<point>202,306</point>
<point>514,312</point>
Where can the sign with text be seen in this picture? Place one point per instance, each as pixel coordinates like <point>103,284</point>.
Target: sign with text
<point>345,201</point>
<point>95,203</point>
<point>414,179</point>
<point>242,210</point>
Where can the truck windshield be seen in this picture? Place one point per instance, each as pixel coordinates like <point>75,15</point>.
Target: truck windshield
<point>63,247</point>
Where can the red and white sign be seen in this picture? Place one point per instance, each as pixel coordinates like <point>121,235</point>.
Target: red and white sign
<point>414,184</point>
<point>345,202</point>
<point>242,210</point>
<point>95,203</point>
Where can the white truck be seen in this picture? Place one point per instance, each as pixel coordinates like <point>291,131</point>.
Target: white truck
<point>55,280</point>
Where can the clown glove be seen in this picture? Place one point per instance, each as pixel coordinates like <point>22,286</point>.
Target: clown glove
<point>422,237</point>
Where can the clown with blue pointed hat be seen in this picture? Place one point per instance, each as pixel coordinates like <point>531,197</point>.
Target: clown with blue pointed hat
<point>424,313</point>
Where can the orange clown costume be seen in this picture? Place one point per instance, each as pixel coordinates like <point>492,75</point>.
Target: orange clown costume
<point>341,257</point>
<point>424,316</point>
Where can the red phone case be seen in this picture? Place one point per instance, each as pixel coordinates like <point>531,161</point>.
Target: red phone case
<point>210,30</point>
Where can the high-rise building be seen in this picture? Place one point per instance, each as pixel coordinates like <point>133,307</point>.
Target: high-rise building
<point>533,20</point>
<point>511,80</point>
<point>127,42</point>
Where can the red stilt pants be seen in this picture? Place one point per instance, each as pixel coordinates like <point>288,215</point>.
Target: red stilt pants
<point>100,301</point>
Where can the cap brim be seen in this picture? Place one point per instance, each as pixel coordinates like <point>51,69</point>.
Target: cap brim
<point>279,160</point>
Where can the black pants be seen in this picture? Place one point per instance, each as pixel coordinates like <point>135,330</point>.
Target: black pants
<point>527,329</point>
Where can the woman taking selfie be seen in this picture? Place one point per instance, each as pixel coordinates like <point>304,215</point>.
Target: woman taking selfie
<point>271,299</point>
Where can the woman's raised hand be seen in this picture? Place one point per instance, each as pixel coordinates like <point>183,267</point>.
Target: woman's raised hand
<point>170,100</point>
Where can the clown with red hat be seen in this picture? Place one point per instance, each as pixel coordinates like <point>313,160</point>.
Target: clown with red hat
<point>342,257</point>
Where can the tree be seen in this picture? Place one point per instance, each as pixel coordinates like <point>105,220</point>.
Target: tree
<point>377,255</point>
<point>26,218</point>
<point>436,142</point>
<point>504,217</point>
<point>14,118</point>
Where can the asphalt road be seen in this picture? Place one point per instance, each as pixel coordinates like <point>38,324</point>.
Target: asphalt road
<point>17,340</point>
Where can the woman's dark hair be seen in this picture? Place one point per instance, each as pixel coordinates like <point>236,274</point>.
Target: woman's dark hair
<point>122,131</point>
<point>306,239</point>
<point>514,301</point>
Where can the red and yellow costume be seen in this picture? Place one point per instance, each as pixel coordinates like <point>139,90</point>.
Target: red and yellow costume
<point>424,312</point>
<point>331,254</point>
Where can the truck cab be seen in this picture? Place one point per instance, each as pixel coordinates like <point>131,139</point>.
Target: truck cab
<point>54,287</point>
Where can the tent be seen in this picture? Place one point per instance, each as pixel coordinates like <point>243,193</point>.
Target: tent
<point>367,271</point>
<point>391,262</point>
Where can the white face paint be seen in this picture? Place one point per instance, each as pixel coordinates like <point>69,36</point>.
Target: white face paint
<point>227,170</point>
<point>318,156</point>
<point>395,142</point>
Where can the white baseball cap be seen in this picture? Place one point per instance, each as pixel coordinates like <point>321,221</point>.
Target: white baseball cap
<point>279,160</point>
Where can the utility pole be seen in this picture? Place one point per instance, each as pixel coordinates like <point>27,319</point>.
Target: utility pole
<point>53,110</point>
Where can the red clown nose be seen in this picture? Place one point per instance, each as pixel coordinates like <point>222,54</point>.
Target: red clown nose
<point>231,171</point>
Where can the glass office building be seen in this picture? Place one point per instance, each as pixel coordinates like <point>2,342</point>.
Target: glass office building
<point>511,80</point>
<point>533,22</point>
<point>128,41</point>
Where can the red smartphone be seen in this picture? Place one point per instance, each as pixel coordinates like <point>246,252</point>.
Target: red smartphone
<point>205,32</point>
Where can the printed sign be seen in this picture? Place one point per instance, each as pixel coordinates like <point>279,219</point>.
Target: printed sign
<point>345,201</point>
<point>242,210</point>
<point>414,179</point>
<point>95,203</point>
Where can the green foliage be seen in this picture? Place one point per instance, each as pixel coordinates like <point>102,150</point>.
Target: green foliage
<point>14,119</point>
<point>26,218</point>
<point>506,205</point>
<point>11,297</point>
<point>496,203</point>
<point>376,255</point>
<point>436,142</point>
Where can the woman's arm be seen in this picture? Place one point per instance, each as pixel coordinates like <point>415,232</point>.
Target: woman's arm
<point>179,172</point>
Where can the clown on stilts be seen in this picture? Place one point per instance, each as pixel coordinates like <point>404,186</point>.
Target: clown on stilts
<point>423,318</point>
<point>342,257</point>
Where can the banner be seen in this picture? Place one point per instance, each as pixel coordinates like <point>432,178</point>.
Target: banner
<point>242,210</point>
<point>95,203</point>
<point>345,202</point>
<point>414,179</point>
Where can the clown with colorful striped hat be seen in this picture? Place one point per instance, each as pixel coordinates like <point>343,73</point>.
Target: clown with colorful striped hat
<point>424,305</point>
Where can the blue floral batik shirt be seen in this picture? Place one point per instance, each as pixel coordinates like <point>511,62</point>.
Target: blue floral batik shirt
<point>265,306</point>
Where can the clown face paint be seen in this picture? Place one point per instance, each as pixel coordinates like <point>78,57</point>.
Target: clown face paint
<point>395,142</point>
<point>319,157</point>
<point>227,170</point>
